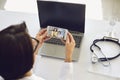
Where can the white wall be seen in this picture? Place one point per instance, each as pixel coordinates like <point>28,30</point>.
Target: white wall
<point>111,9</point>
<point>93,7</point>
<point>29,6</point>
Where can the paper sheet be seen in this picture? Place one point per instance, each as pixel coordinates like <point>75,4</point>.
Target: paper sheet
<point>113,70</point>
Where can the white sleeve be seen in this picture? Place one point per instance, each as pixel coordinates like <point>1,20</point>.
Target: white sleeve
<point>66,71</point>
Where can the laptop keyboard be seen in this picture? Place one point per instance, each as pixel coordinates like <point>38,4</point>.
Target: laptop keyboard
<point>77,40</point>
<point>55,41</point>
<point>59,42</point>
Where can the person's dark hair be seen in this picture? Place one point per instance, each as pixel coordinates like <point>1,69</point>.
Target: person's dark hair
<point>55,29</point>
<point>16,52</point>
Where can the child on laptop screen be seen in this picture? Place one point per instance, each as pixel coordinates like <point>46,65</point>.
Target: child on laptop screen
<point>18,52</point>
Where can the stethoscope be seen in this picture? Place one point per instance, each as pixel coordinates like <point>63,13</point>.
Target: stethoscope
<point>95,57</point>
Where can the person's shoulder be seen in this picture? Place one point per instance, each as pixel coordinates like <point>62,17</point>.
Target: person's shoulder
<point>33,77</point>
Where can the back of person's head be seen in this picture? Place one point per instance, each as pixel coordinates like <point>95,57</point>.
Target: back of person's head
<point>16,52</point>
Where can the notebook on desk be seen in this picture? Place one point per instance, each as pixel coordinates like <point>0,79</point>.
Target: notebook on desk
<point>70,16</point>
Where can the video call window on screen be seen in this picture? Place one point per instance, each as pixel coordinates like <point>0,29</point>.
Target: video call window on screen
<point>56,32</point>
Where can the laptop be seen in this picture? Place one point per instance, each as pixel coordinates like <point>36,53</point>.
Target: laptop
<point>70,16</point>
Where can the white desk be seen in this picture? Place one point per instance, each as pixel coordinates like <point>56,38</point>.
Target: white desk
<point>48,67</point>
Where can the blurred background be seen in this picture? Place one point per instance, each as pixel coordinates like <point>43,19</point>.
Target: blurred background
<point>95,9</point>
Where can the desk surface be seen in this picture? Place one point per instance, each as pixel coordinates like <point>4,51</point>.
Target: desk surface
<point>49,67</point>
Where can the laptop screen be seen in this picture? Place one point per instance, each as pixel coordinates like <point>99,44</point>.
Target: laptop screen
<point>65,15</point>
